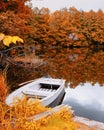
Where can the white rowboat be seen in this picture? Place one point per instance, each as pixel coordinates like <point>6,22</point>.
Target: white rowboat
<point>50,91</point>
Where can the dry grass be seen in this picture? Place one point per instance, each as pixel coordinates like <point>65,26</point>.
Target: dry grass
<point>16,118</point>
<point>3,88</point>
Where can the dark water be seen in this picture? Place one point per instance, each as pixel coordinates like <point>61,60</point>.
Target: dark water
<point>87,101</point>
<point>83,68</point>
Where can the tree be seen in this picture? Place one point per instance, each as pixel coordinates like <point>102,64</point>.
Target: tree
<point>14,19</point>
<point>41,26</point>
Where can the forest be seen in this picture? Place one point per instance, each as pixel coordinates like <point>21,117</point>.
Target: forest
<point>64,27</point>
<point>59,34</point>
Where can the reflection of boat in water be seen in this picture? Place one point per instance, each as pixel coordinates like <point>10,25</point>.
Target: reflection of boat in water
<point>50,91</point>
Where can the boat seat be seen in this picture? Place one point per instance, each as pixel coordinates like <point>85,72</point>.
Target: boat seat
<point>36,93</point>
<point>46,90</point>
<point>34,86</point>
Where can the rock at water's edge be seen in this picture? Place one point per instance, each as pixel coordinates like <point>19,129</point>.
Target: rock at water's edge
<point>90,123</point>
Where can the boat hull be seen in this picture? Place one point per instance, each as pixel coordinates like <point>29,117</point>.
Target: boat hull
<point>58,100</point>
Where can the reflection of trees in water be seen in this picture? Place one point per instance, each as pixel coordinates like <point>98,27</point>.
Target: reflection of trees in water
<point>18,74</point>
<point>77,65</point>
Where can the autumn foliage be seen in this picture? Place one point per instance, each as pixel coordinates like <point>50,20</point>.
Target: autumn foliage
<point>69,27</point>
<point>65,27</point>
<point>3,88</point>
<point>60,29</point>
<point>14,18</point>
<point>19,117</point>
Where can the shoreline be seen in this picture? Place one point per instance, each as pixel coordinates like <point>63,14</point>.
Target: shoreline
<point>90,123</point>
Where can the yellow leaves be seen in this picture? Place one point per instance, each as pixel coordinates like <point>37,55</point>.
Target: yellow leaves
<point>11,39</point>
<point>7,40</point>
<point>16,38</point>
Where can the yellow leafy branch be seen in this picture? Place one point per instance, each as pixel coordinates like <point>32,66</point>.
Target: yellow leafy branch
<point>7,40</point>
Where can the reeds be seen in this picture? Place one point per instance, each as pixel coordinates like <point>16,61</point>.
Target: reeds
<point>17,117</point>
<point>3,88</point>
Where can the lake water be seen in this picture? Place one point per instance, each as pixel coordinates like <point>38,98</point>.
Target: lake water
<point>86,101</point>
<point>80,67</point>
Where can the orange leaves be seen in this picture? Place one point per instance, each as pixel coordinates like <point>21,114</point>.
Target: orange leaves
<point>10,25</point>
<point>14,21</point>
<point>41,27</point>
<point>62,23</point>
<point>92,25</point>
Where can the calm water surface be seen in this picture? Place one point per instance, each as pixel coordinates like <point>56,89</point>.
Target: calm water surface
<point>87,101</point>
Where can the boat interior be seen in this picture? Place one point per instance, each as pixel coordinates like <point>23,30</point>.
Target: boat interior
<point>49,86</point>
<point>43,90</point>
<point>29,95</point>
